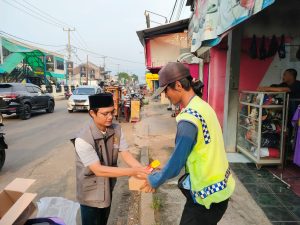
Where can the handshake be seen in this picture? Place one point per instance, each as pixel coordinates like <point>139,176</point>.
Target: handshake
<point>139,182</point>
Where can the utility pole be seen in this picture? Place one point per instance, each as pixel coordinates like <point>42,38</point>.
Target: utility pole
<point>147,19</point>
<point>118,68</point>
<point>69,47</point>
<point>87,69</point>
<point>104,57</point>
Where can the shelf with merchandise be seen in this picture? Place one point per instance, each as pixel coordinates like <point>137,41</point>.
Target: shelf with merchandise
<point>260,126</point>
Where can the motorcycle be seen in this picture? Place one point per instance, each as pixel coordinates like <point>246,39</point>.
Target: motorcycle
<point>3,145</point>
<point>67,95</point>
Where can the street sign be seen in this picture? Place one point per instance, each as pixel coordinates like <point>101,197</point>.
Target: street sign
<point>69,68</point>
<point>82,71</point>
<point>50,63</point>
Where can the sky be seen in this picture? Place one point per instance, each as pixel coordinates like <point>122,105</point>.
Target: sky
<point>104,27</point>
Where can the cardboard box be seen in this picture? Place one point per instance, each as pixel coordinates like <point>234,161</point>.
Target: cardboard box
<point>16,205</point>
<point>135,184</point>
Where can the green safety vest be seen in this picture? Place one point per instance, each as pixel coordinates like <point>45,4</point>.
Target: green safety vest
<point>207,164</point>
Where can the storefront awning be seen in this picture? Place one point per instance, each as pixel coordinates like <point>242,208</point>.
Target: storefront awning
<point>211,21</point>
<point>11,61</point>
<point>12,47</point>
<point>2,70</point>
<point>59,59</point>
<point>56,75</point>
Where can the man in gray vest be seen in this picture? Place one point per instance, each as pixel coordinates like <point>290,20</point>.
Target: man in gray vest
<point>97,148</point>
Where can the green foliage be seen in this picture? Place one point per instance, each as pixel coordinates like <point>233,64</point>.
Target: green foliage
<point>123,76</point>
<point>156,203</point>
<point>134,77</point>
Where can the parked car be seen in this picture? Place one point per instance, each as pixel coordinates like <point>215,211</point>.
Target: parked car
<point>79,100</point>
<point>23,99</point>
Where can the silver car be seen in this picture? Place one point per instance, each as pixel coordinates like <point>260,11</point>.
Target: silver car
<point>79,100</point>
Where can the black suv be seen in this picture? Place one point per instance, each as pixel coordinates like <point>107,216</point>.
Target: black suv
<point>22,99</point>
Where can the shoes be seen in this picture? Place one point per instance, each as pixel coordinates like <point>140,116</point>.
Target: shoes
<point>169,108</point>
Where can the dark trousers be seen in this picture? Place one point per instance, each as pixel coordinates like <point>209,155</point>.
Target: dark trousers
<point>94,216</point>
<point>127,113</point>
<point>195,214</point>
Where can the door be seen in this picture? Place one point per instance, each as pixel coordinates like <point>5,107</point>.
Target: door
<point>42,99</point>
<point>32,97</point>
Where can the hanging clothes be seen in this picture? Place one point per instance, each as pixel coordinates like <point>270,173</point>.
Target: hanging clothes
<point>296,124</point>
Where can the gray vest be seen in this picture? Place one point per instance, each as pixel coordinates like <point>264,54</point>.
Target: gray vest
<point>96,191</point>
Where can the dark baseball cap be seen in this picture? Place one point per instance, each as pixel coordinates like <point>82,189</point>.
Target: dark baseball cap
<point>170,73</point>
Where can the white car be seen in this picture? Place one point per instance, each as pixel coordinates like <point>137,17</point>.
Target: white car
<point>79,100</point>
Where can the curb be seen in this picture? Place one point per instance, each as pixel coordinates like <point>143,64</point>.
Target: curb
<point>146,212</point>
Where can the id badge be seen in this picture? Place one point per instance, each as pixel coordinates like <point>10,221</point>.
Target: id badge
<point>186,184</point>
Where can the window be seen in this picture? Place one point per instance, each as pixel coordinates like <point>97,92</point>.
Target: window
<point>37,90</point>
<point>19,87</point>
<point>30,89</point>
<point>84,91</point>
<point>59,65</point>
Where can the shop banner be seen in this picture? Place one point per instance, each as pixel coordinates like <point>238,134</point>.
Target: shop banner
<point>82,71</point>
<point>50,63</point>
<point>70,68</point>
<point>151,76</point>
<point>212,18</point>
<point>167,48</point>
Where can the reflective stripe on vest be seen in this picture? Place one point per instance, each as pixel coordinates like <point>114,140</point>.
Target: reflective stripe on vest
<point>219,186</point>
<point>204,125</point>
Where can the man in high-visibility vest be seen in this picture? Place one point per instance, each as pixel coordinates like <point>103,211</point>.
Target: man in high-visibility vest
<point>208,182</point>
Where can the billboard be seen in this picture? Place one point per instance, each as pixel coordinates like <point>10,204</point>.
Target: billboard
<point>70,68</point>
<point>82,71</point>
<point>212,18</point>
<point>167,48</point>
<point>50,63</point>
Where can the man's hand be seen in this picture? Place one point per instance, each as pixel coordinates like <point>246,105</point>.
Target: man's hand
<point>140,173</point>
<point>147,187</point>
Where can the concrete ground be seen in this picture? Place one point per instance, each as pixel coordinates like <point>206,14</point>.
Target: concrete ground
<point>157,130</point>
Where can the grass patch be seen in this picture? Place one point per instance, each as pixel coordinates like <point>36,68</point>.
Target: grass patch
<point>156,203</point>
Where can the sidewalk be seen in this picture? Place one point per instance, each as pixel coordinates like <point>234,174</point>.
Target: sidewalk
<point>157,130</point>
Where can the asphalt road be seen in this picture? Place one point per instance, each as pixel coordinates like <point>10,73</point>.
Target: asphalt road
<point>39,148</point>
<point>31,139</point>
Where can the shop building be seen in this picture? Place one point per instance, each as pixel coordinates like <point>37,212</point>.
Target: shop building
<point>93,77</point>
<point>168,43</point>
<point>21,62</point>
<point>243,52</point>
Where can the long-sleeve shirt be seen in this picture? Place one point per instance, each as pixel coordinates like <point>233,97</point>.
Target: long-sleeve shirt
<point>186,138</point>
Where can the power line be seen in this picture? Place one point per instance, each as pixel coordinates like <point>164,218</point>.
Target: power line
<point>173,11</point>
<point>36,12</point>
<point>28,13</point>
<point>101,56</point>
<point>80,37</point>
<point>45,13</point>
<point>75,38</point>
<point>10,35</point>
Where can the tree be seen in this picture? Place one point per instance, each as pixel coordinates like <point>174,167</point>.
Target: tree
<point>123,76</point>
<point>134,77</point>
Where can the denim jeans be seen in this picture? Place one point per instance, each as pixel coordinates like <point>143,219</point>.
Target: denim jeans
<point>93,215</point>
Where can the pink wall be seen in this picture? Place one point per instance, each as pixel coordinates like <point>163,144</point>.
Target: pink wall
<point>194,70</point>
<point>205,81</point>
<point>148,54</point>
<point>252,71</point>
<point>217,73</point>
